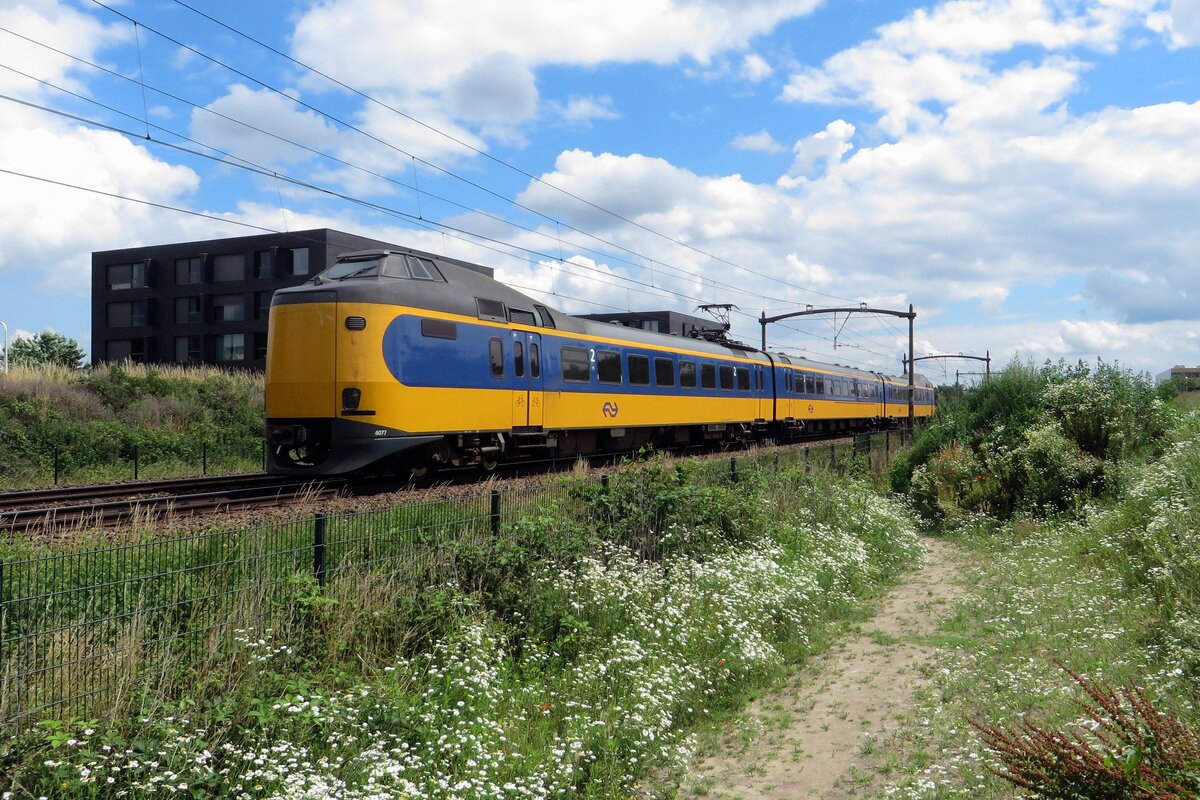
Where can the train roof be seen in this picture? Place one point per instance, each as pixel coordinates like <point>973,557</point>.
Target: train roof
<point>465,285</point>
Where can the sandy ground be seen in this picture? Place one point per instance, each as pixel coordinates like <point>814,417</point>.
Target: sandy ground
<point>831,734</point>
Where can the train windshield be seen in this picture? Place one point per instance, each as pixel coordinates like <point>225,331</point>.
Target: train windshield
<point>368,267</point>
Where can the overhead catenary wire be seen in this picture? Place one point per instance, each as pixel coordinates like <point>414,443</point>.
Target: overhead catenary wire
<point>625,280</point>
<point>267,172</point>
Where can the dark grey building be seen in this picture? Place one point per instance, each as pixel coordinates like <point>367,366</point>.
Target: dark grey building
<point>658,321</point>
<point>203,302</point>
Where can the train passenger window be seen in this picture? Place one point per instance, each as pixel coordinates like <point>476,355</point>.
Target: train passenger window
<point>726,377</point>
<point>492,310</point>
<point>687,374</point>
<point>423,269</point>
<point>521,317</point>
<point>821,385</point>
<point>519,359</point>
<point>439,329</point>
<point>496,357</point>
<point>639,370</point>
<point>544,318</point>
<point>664,372</point>
<point>608,366</point>
<point>743,379</point>
<point>535,360</point>
<point>708,376</point>
<point>575,366</point>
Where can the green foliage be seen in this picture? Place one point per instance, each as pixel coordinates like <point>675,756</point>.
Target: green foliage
<point>1031,440</point>
<point>96,421</point>
<point>46,348</point>
<point>566,656</point>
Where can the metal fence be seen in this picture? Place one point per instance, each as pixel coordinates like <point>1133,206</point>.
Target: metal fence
<point>83,632</point>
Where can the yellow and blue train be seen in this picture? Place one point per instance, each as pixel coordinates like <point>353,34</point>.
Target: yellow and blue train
<point>401,360</point>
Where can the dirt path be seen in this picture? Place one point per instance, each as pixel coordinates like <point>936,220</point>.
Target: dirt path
<point>830,735</point>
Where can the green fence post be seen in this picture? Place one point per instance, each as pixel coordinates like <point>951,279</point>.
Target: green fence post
<point>832,457</point>
<point>204,458</point>
<point>56,467</point>
<point>733,470</point>
<point>495,512</point>
<point>135,462</point>
<point>319,566</point>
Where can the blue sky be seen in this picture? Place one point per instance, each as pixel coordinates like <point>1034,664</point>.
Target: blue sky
<point>1026,173</point>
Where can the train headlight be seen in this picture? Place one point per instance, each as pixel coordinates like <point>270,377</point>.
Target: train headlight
<point>351,397</point>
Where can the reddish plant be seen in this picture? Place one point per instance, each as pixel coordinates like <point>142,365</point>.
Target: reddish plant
<point>1133,751</point>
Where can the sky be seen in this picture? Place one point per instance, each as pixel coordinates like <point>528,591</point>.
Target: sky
<point>1024,173</point>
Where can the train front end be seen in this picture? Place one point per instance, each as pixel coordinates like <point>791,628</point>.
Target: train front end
<point>330,400</point>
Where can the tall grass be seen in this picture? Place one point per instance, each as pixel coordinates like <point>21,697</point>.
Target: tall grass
<point>93,424</point>
<point>565,657</point>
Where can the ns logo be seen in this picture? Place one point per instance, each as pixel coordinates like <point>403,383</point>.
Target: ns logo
<point>610,410</point>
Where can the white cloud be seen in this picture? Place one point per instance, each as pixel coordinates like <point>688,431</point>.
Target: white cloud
<point>279,117</point>
<point>762,142</point>
<point>755,68</point>
<point>496,88</point>
<point>60,26</point>
<point>826,146</point>
<point>1184,23</point>
<point>579,110</point>
<point>442,40</point>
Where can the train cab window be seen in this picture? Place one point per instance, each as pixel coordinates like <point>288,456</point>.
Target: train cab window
<point>575,368</point>
<point>519,359</point>
<point>535,360</point>
<point>608,366</point>
<point>743,379</point>
<point>708,376</point>
<point>639,370</point>
<point>496,357</point>
<point>687,374</point>
<point>544,318</point>
<point>726,377</point>
<point>422,269</point>
<point>664,372</point>
<point>521,317</point>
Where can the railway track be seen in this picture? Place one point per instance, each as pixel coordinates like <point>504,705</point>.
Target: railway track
<point>102,505</point>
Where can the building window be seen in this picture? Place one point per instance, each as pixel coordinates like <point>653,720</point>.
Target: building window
<point>189,270</point>
<point>189,309</point>
<point>608,366</point>
<point>228,308</point>
<point>262,304</point>
<point>128,276</point>
<point>229,268</point>
<point>650,325</point>
<point>575,368</point>
<point>300,261</point>
<point>496,357</point>
<point>188,349</point>
<point>128,315</point>
<point>126,350</point>
<point>231,347</point>
<point>263,264</point>
<point>639,371</point>
<point>260,346</point>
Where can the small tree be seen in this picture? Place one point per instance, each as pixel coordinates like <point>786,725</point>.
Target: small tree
<point>46,347</point>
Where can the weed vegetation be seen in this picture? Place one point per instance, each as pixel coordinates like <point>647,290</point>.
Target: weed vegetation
<point>1072,671</point>
<point>93,422</point>
<point>566,657</point>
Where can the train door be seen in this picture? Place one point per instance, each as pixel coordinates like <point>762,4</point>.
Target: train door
<point>527,379</point>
